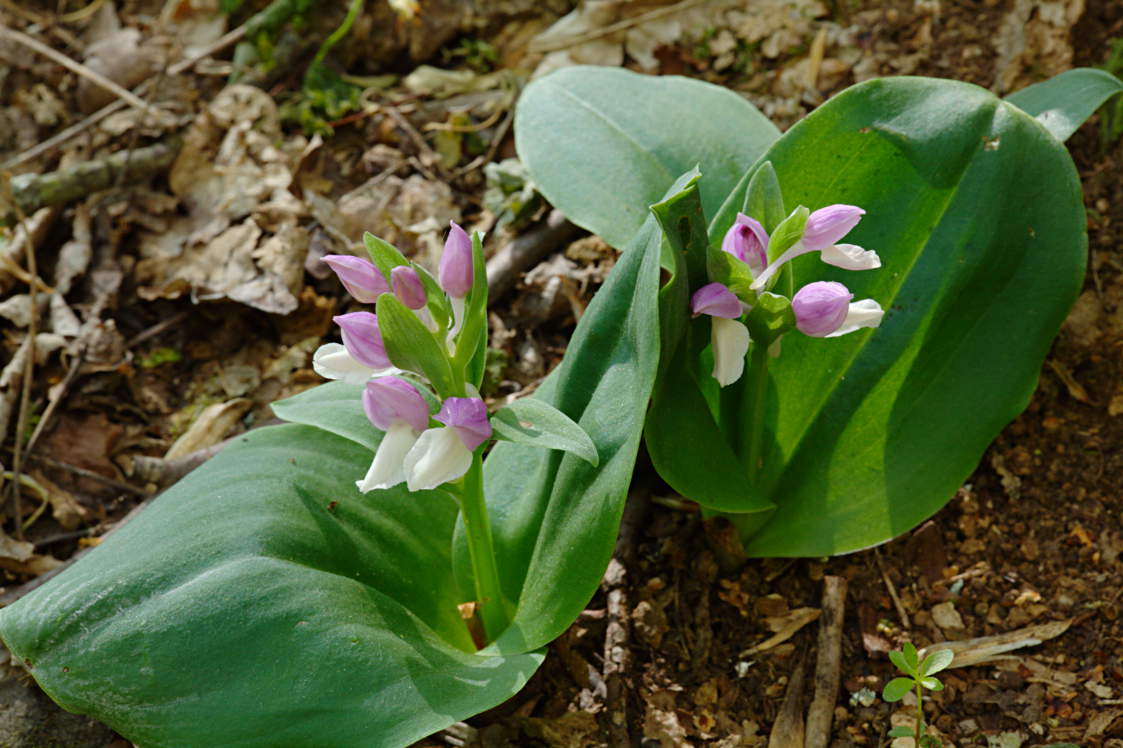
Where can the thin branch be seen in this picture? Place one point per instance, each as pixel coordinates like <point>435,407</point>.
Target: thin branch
<point>89,74</point>
<point>114,106</point>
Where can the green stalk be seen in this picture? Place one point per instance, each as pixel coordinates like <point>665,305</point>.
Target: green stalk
<point>482,552</point>
<point>919,714</point>
<point>339,33</point>
<point>755,392</point>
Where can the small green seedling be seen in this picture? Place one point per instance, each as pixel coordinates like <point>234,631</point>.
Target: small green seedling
<point>919,676</point>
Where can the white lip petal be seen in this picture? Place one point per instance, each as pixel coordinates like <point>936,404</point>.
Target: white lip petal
<point>864,313</point>
<point>388,467</point>
<point>332,361</point>
<point>850,257</point>
<point>437,457</point>
<point>730,341</point>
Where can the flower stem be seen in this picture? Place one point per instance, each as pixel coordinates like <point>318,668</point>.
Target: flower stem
<point>919,714</point>
<point>755,391</point>
<point>489,596</point>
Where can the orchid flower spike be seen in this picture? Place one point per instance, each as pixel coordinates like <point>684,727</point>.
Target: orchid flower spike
<point>444,454</point>
<point>393,405</point>
<point>729,338</point>
<point>825,227</point>
<point>823,310</point>
<point>362,354</point>
<point>748,242</point>
<point>360,277</point>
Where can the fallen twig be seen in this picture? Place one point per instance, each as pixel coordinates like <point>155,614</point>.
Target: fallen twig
<point>33,191</point>
<point>525,252</point>
<point>116,105</point>
<point>901,612</point>
<point>829,664</point>
<point>91,75</point>
<point>787,730</point>
<point>617,655</point>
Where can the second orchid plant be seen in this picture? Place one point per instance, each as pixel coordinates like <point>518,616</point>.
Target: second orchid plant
<point>419,358</point>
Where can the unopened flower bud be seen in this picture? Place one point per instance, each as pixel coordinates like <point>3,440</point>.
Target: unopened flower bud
<point>716,300</point>
<point>387,400</point>
<point>360,277</point>
<point>407,287</point>
<point>468,416</point>
<point>827,225</point>
<point>820,308</point>
<point>455,271</point>
<point>363,339</point>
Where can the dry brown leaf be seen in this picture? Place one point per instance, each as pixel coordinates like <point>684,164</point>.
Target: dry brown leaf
<point>989,648</point>
<point>785,627</point>
<point>211,427</point>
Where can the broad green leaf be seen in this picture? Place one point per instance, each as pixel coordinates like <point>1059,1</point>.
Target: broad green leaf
<point>554,516</point>
<point>896,689</point>
<point>263,601</point>
<point>976,212</point>
<point>534,422</point>
<point>602,144</point>
<point>1064,102</point>
<point>411,346</point>
<point>335,407</point>
<point>900,731</point>
<point>937,661</point>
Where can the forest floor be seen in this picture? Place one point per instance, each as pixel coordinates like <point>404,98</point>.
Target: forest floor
<point>147,355</point>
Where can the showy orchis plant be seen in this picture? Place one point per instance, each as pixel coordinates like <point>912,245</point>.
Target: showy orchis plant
<point>919,677</point>
<point>430,358</point>
<point>747,317</point>
<point>842,443</point>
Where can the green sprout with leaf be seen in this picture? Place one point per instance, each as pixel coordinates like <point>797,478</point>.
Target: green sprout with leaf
<point>919,676</point>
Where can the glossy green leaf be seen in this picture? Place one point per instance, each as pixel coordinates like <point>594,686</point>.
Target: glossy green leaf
<point>932,684</point>
<point>534,422</point>
<point>334,407</point>
<point>1064,102</point>
<point>602,144</point>
<point>264,601</point>
<point>410,345</point>
<point>896,689</point>
<point>939,660</point>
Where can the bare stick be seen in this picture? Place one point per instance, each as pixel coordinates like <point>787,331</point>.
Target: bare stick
<point>33,191</point>
<point>91,75</point>
<point>627,23</point>
<point>829,665</point>
<point>901,612</point>
<point>525,252</point>
<point>617,656</point>
<point>787,730</point>
<point>114,106</point>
